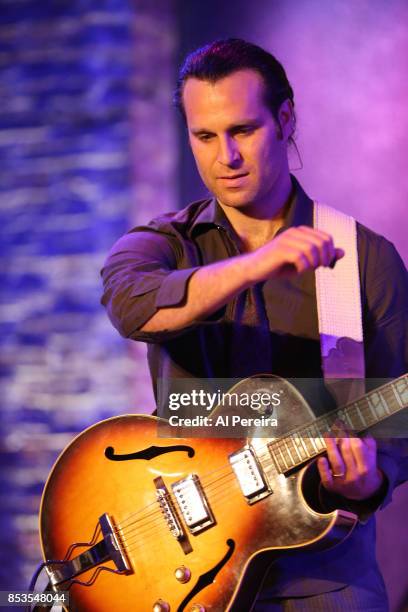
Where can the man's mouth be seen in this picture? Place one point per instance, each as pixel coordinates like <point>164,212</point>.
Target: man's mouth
<point>233,177</point>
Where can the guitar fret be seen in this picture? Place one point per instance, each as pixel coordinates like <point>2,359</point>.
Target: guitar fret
<point>304,446</point>
<point>318,430</point>
<point>290,463</point>
<point>289,453</point>
<point>344,415</point>
<point>352,418</point>
<point>310,447</point>
<point>316,438</point>
<point>297,445</point>
<point>369,417</point>
<point>283,458</point>
<point>313,443</point>
<point>390,401</point>
<point>362,419</point>
<point>385,404</point>
<point>319,443</point>
<point>325,424</point>
<point>377,405</point>
<point>402,390</point>
<point>276,460</point>
<point>397,396</point>
<point>368,414</point>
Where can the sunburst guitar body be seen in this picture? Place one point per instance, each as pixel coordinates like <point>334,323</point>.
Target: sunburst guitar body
<point>133,521</point>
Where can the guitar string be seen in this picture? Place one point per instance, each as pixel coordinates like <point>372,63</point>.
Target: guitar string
<point>131,545</point>
<point>136,530</point>
<point>162,527</point>
<point>203,480</point>
<point>274,445</point>
<point>154,503</point>
<point>156,515</point>
<point>157,527</point>
<point>279,444</point>
<point>125,525</point>
<point>135,543</point>
<point>214,499</point>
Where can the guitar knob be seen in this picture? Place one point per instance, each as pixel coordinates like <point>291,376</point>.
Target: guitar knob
<point>161,606</point>
<point>182,574</point>
<point>198,608</point>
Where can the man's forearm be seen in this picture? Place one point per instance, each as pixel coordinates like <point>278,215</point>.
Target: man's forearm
<point>209,288</point>
<point>291,253</point>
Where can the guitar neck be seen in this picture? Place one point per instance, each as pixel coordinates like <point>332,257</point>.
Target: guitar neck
<point>308,442</point>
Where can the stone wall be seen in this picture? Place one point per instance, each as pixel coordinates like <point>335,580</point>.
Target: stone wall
<point>84,93</point>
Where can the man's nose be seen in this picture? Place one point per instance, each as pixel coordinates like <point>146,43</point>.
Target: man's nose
<point>228,152</point>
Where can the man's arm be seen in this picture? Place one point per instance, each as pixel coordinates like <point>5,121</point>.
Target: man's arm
<point>373,468</point>
<point>210,287</point>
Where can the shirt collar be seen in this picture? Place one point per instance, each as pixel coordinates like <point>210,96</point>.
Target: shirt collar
<point>300,212</point>
<point>300,209</point>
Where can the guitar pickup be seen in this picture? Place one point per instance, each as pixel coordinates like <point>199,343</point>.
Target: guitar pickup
<point>193,504</point>
<point>249,475</point>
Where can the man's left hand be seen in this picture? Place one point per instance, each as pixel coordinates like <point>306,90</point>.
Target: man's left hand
<point>350,468</point>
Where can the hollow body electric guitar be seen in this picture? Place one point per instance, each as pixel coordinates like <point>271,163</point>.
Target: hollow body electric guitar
<point>131,521</point>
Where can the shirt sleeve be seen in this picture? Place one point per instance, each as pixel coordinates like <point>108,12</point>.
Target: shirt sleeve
<point>393,462</point>
<point>385,303</point>
<point>392,459</point>
<point>140,276</point>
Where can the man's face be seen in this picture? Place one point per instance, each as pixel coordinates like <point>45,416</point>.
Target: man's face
<point>241,153</point>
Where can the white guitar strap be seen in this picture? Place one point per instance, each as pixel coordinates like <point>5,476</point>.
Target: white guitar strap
<point>339,308</point>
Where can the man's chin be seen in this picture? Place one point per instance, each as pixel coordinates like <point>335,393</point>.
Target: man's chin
<point>238,201</point>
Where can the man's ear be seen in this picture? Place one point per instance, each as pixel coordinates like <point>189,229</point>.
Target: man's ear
<point>286,120</point>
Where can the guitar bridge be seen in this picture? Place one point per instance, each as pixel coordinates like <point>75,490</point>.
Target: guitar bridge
<point>108,549</point>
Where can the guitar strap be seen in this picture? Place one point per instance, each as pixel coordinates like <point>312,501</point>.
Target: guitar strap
<point>339,309</point>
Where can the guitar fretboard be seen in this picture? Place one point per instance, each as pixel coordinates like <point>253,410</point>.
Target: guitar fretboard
<point>299,446</point>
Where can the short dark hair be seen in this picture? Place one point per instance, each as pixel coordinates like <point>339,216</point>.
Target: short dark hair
<point>226,56</point>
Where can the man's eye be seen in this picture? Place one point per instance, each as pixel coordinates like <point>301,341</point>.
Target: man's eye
<point>244,130</point>
<point>205,137</point>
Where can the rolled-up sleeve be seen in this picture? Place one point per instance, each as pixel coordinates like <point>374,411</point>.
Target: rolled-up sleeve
<point>140,276</point>
<point>392,459</point>
<point>386,332</point>
<point>386,282</point>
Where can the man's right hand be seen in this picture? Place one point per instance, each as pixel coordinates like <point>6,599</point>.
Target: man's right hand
<point>290,253</point>
<point>293,252</point>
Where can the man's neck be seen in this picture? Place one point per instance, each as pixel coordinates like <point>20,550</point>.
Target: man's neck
<point>256,227</point>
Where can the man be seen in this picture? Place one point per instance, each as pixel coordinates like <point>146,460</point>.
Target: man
<point>225,288</point>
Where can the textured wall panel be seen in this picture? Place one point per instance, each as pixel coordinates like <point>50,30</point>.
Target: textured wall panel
<point>77,80</point>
